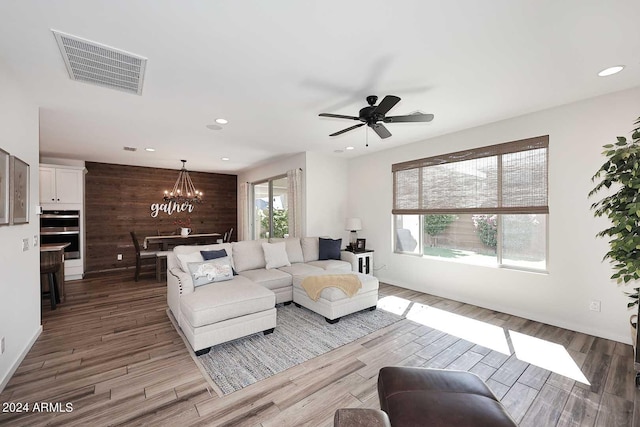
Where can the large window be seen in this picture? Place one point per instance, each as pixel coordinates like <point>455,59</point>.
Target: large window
<point>486,206</point>
<point>270,208</point>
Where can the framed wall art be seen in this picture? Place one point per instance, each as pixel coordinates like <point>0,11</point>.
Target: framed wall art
<point>18,191</point>
<point>4,187</point>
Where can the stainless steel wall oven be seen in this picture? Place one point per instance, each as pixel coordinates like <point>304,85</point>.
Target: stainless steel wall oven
<point>62,227</point>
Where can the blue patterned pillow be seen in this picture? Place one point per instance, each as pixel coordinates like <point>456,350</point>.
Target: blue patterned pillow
<point>215,270</point>
<point>207,255</point>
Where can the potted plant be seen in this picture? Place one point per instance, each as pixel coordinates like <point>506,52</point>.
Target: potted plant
<point>621,175</point>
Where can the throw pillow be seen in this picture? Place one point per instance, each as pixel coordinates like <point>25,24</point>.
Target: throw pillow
<point>215,270</point>
<point>329,248</point>
<point>185,259</point>
<point>309,247</point>
<point>275,255</point>
<point>207,255</point>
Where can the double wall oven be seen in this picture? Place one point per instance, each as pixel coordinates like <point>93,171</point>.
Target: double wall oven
<point>62,226</point>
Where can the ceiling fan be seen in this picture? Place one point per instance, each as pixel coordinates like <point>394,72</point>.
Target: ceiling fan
<point>373,114</point>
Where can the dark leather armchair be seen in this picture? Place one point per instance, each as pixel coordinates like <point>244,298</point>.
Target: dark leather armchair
<point>413,397</point>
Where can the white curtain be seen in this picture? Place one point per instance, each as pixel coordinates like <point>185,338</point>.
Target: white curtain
<point>243,212</point>
<point>294,199</point>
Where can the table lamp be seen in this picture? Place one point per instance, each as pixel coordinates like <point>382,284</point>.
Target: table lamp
<point>353,225</point>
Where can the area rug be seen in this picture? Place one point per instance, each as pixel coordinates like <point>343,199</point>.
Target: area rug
<point>300,335</point>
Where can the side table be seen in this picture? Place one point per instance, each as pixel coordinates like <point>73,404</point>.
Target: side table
<point>361,261</point>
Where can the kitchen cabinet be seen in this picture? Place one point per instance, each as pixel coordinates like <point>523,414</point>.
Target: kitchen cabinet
<point>61,185</point>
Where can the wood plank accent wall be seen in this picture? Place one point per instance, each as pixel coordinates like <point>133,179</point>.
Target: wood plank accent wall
<point>118,200</point>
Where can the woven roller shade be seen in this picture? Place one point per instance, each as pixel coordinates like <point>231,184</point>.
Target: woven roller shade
<point>504,178</point>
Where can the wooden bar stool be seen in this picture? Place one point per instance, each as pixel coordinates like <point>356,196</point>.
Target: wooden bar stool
<point>50,271</point>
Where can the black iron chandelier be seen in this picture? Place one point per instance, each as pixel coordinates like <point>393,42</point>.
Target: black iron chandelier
<point>183,190</point>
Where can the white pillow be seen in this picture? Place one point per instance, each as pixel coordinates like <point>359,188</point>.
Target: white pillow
<point>185,259</point>
<point>215,270</point>
<point>294,250</point>
<point>275,254</point>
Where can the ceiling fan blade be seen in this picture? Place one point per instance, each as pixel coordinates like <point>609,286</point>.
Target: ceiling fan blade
<point>382,131</point>
<point>387,104</point>
<point>409,118</point>
<point>340,132</point>
<point>338,116</point>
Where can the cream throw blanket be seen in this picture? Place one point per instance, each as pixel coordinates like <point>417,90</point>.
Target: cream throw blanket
<point>348,283</point>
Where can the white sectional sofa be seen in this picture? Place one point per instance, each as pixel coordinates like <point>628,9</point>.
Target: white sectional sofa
<point>217,312</point>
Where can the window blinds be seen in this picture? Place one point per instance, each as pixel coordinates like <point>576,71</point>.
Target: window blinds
<point>509,178</point>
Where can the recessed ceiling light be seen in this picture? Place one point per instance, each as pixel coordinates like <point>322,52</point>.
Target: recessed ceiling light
<point>222,121</point>
<point>149,149</point>
<point>224,159</point>
<point>214,127</point>
<point>349,148</point>
<point>611,70</point>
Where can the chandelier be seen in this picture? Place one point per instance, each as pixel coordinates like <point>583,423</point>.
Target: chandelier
<point>183,190</point>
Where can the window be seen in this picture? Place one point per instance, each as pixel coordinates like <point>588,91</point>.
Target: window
<point>486,205</point>
<point>270,212</point>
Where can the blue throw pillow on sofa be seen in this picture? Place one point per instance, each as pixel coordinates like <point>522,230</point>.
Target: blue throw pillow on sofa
<point>208,255</point>
<point>329,248</point>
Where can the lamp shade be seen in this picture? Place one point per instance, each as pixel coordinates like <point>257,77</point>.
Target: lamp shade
<point>353,224</point>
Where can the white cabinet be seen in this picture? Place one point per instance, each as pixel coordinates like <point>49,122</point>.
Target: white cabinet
<point>362,262</point>
<point>61,185</point>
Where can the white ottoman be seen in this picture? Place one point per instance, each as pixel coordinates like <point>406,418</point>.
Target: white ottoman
<point>221,312</point>
<point>333,302</point>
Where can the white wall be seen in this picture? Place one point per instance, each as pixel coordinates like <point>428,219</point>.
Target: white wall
<point>576,274</point>
<point>326,192</point>
<point>19,271</point>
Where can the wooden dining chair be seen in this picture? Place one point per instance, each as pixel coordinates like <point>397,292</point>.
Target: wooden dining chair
<point>142,256</point>
<point>227,236</point>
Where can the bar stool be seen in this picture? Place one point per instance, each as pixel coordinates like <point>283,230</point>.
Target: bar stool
<point>50,271</point>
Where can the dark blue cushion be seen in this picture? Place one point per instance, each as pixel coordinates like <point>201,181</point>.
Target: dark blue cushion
<point>329,248</point>
<point>207,255</point>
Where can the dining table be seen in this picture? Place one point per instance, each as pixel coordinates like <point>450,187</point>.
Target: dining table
<point>169,241</point>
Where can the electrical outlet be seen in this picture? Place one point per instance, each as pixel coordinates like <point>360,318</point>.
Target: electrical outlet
<point>594,305</point>
<point>35,240</point>
<point>119,257</point>
<point>2,345</point>
<point>25,245</point>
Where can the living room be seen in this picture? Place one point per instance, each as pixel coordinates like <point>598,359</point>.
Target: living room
<point>580,112</point>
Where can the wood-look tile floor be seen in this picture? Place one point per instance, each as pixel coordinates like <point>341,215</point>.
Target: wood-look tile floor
<point>112,353</point>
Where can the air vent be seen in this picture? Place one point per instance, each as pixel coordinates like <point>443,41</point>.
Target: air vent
<point>94,63</point>
<point>130,149</point>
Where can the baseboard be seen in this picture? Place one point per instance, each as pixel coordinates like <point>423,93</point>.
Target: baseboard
<point>17,363</point>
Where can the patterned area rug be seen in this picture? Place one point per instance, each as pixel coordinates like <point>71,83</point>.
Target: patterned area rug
<point>300,335</point>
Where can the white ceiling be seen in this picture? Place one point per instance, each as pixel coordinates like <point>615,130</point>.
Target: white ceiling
<point>270,67</point>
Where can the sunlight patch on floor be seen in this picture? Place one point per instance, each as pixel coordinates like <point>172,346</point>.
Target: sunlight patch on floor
<point>547,355</point>
<point>393,304</point>
<point>475,331</point>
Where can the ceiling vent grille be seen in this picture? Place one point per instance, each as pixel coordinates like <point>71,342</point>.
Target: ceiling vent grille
<point>94,63</point>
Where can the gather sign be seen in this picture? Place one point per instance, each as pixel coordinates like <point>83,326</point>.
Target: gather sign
<point>170,207</point>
